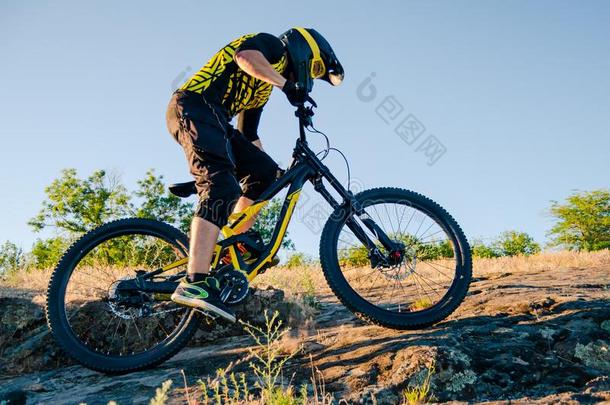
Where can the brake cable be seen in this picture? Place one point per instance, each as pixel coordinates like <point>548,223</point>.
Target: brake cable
<point>310,128</point>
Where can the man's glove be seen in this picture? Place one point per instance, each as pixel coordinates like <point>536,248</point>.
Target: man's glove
<point>295,93</point>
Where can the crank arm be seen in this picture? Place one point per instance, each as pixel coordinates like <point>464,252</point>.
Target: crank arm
<point>142,285</point>
<point>207,314</point>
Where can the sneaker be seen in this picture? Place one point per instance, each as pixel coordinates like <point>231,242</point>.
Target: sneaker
<point>203,295</point>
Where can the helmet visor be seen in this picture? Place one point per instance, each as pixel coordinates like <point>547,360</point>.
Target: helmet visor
<point>335,78</point>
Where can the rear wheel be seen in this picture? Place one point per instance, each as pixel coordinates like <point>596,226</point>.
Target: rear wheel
<point>105,327</point>
<point>422,284</point>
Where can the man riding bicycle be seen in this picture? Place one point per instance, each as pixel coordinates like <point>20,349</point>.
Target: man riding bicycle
<point>237,81</point>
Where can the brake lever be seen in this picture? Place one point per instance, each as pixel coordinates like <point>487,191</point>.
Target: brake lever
<point>311,101</point>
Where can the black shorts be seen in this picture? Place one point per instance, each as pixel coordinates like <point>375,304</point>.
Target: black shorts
<point>222,161</point>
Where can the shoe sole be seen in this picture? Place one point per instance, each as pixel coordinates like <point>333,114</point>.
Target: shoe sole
<point>200,304</point>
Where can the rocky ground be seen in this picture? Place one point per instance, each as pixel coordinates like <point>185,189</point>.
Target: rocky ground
<point>529,337</point>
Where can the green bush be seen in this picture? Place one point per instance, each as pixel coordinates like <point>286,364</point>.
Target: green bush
<point>483,251</point>
<point>509,243</point>
<point>354,256</point>
<point>513,243</point>
<point>75,205</point>
<point>298,259</point>
<point>47,252</point>
<point>156,202</point>
<point>359,256</point>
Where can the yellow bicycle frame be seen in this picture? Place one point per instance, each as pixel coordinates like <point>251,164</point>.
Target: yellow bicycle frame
<point>233,228</point>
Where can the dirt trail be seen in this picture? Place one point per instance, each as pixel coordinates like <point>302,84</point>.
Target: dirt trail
<point>540,337</point>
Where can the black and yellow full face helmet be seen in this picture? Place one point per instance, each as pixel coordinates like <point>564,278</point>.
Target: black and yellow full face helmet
<point>311,57</point>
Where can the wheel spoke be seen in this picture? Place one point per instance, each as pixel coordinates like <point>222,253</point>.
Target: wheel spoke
<point>122,322</point>
<point>425,271</point>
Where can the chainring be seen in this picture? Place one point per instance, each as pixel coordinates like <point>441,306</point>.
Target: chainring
<point>234,285</point>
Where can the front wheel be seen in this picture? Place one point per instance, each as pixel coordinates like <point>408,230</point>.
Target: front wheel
<point>426,281</point>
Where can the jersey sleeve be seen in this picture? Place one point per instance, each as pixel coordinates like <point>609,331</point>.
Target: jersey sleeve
<point>269,45</point>
<point>249,123</point>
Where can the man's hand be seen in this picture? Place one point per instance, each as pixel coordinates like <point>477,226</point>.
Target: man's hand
<point>295,93</point>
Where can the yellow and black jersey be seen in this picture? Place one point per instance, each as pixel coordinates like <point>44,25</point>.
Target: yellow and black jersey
<point>222,82</point>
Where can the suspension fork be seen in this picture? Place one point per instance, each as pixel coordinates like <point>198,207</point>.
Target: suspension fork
<point>353,207</point>
<point>350,204</point>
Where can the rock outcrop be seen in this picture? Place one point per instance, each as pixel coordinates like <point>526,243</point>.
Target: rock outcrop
<point>538,337</point>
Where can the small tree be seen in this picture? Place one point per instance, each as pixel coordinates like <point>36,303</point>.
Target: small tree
<point>158,203</point>
<point>11,257</point>
<point>513,243</point>
<point>77,205</point>
<point>583,221</point>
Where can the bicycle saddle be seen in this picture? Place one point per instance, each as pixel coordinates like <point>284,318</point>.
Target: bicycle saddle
<point>183,189</point>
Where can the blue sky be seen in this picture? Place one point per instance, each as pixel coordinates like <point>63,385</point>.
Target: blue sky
<point>518,93</point>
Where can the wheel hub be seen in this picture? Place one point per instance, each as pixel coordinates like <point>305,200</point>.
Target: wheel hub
<point>401,264</point>
<point>128,305</point>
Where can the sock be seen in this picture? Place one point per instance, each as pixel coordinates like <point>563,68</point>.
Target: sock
<point>196,277</point>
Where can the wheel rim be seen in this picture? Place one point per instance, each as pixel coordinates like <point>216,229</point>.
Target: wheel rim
<point>105,323</point>
<point>427,271</point>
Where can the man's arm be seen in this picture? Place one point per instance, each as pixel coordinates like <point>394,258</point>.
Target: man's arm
<point>255,64</point>
<point>256,55</point>
<point>247,124</point>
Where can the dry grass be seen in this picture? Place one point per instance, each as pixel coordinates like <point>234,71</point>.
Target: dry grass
<point>31,279</point>
<point>542,262</point>
<point>307,281</point>
<point>295,281</point>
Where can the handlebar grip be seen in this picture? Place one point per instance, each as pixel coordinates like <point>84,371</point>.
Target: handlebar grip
<point>311,100</point>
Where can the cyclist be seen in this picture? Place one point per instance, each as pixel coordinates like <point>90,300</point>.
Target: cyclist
<point>237,81</point>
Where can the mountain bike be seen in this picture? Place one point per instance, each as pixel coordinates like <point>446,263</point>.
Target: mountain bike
<point>393,257</point>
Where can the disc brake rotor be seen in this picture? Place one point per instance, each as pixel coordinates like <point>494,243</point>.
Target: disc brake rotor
<point>118,306</point>
<point>404,268</point>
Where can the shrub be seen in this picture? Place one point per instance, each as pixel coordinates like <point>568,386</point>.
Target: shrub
<point>482,251</point>
<point>11,257</point>
<point>509,243</point>
<point>298,259</point>
<point>420,394</point>
<point>46,253</point>
<point>513,243</point>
